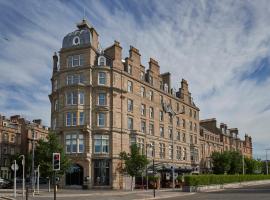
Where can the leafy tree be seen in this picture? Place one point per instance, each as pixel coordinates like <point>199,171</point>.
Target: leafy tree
<point>236,162</point>
<point>134,161</point>
<point>253,166</point>
<point>221,162</point>
<point>43,155</point>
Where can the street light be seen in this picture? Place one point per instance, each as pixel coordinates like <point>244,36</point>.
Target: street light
<point>154,188</point>
<point>266,161</point>
<point>33,163</point>
<point>38,174</point>
<point>23,165</point>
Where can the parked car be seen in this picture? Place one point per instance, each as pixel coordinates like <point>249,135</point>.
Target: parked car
<point>5,183</point>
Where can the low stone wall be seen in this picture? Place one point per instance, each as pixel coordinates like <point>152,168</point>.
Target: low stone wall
<point>224,186</point>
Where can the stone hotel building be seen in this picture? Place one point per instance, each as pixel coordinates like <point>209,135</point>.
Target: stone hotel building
<point>214,138</point>
<point>102,103</point>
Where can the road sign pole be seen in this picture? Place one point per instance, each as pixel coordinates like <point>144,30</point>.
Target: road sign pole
<point>54,186</point>
<point>15,169</point>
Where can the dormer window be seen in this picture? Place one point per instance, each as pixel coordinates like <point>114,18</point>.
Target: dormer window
<point>166,88</point>
<point>76,40</point>
<point>101,61</point>
<point>129,69</point>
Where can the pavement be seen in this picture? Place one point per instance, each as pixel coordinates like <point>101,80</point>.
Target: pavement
<point>257,192</point>
<point>254,192</point>
<point>99,194</point>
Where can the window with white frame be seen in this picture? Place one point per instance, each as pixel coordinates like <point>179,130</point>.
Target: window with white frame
<point>166,87</point>
<point>102,99</point>
<point>55,85</point>
<point>101,61</point>
<point>129,86</point>
<point>130,105</point>
<point>72,98</point>
<point>151,128</point>
<point>151,95</point>
<point>184,123</point>
<point>81,118</point>
<point>151,112</point>
<point>151,149</point>
<point>161,115</point>
<point>143,110</point>
<point>101,144</point>
<point>151,80</point>
<point>184,153</point>
<point>53,123</point>
<point>191,139</point>
<point>161,131</point>
<point>71,119</point>
<point>130,123</point>
<point>143,126</point>
<point>75,61</point>
<point>142,91</point>
<point>74,143</point>
<point>140,145</point>
<point>142,76</point>
<point>161,150</point>
<point>129,69</point>
<point>81,98</point>
<point>170,151</point>
<point>101,78</point>
<point>75,79</point>
<point>101,119</point>
<point>56,104</point>
<point>178,153</point>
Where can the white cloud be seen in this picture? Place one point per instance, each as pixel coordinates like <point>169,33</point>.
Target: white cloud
<point>211,44</point>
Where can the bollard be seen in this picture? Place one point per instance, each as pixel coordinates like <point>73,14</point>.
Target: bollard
<point>26,196</point>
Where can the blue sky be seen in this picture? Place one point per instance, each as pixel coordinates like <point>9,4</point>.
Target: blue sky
<point>221,47</point>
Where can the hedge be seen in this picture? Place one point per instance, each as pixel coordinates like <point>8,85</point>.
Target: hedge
<point>196,180</point>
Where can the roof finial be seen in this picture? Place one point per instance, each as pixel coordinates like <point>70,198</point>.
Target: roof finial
<point>83,13</point>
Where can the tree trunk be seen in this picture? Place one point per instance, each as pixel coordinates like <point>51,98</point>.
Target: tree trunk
<point>131,183</point>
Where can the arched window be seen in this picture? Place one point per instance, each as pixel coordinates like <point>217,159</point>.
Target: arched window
<point>101,61</point>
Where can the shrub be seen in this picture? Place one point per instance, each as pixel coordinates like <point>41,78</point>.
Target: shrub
<point>221,179</point>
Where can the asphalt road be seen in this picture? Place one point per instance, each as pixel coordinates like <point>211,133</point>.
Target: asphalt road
<point>261,192</point>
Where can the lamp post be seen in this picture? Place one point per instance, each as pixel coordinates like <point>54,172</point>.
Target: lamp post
<point>23,183</point>
<point>154,188</point>
<point>146,168</point>
<point>266,161</point>
<point>243,163</point>
<point>33,163</point>
<point>38,174</point>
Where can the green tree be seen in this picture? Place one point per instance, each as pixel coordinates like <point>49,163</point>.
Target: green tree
<point>253,166</point>
<point>43,155</point>
<point>221,162</point>
<point>236,162</point>
<point>134,161</point>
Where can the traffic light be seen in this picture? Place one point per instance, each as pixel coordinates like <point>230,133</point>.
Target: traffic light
<point>56,161</point>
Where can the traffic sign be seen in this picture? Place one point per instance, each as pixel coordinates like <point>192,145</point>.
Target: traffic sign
<point>14,166</point>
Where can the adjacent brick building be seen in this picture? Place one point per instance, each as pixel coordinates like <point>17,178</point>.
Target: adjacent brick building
<point>213,138</point>
<point>102,103</point>
<point>16,136</point>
